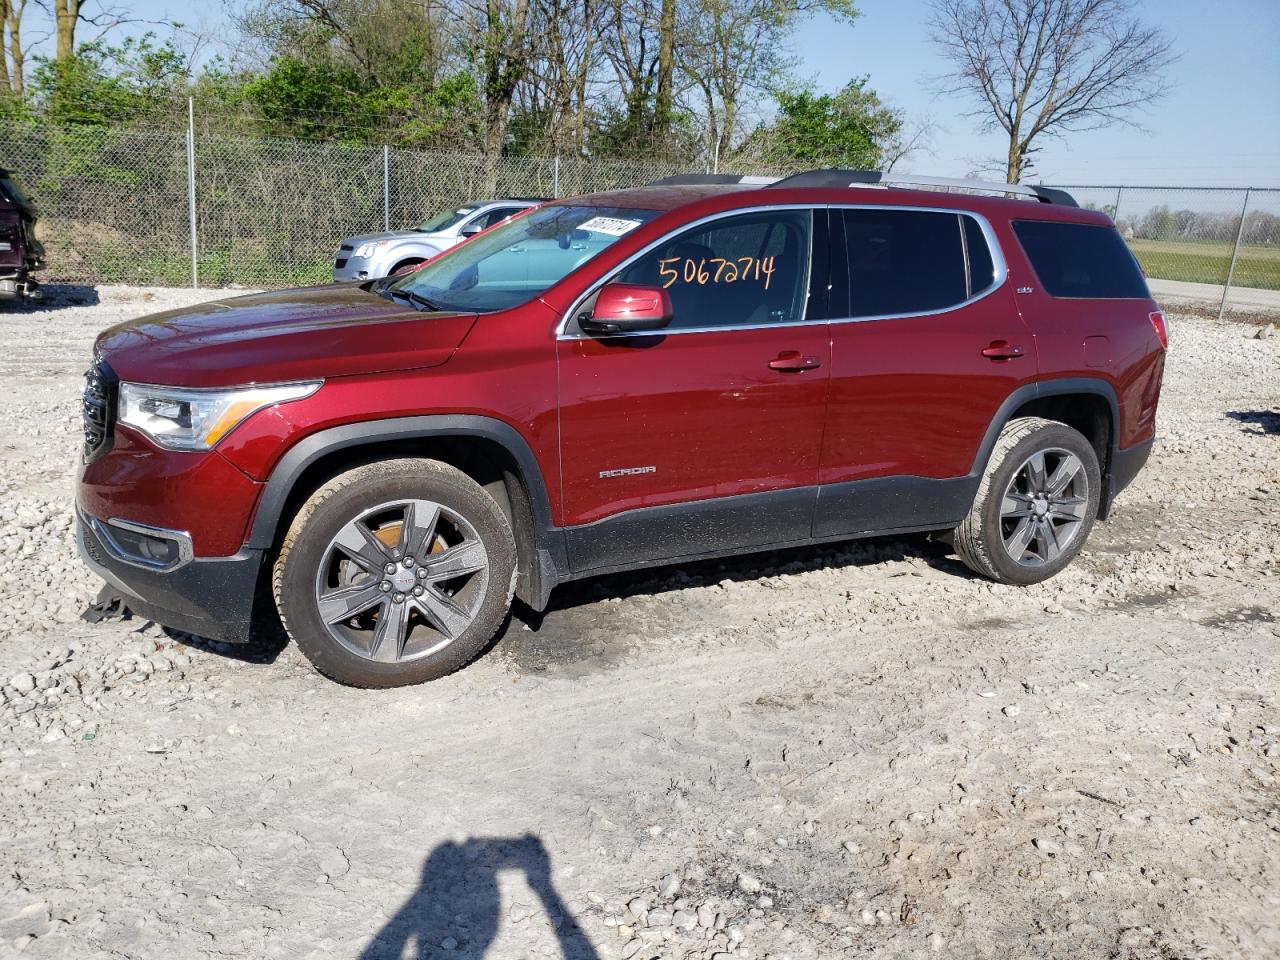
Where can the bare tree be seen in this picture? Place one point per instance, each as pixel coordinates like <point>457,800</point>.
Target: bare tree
<point>69,14</point>
<point>13,55</point>
<point>1050,66</point>
<point>552,101</point>
<point>504,47</point>
<point>66,17</point>
<point>734,49</point>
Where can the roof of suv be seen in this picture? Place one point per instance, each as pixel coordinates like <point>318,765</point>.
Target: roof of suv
<point>675,193</point>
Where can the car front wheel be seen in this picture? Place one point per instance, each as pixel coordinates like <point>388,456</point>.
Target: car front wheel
<point>395,573</point>
<point>1036,503</point>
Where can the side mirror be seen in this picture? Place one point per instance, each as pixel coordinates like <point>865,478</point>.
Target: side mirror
<point>471,229</point>
<point>627,307</point>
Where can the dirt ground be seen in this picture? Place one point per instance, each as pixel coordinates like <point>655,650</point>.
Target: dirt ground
<point>844,752</point>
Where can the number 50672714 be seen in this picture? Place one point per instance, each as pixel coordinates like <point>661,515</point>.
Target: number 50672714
<point>706,270</point>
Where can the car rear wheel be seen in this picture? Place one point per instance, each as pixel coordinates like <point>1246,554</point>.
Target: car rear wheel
<point>395,573</point>
<point>1035,506</point>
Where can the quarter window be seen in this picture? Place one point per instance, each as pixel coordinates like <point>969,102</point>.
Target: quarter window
<point>905,261</point>
<point>982,271</point>
<point>742,270</point>
<point>1081,260</point>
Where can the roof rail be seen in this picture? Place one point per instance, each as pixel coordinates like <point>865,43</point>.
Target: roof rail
<point>876,178</point>
<point>710,179</point>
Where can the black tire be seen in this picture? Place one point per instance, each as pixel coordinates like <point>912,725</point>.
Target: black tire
<point>351,494</point>
<point>980,539</point>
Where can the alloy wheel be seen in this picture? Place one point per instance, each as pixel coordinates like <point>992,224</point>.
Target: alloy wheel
<point>1044,507</point>
<point>402,580</point>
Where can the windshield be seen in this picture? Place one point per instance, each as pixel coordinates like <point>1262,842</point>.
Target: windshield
<point>520,259</point>
<point>444,220</point>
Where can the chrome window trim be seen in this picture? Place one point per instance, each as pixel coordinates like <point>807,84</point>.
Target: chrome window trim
<point>186,551</point>
<point>1000,273</point>
<point>563,327</point>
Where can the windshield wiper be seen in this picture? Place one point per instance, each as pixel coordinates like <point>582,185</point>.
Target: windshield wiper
<point>415,298</point>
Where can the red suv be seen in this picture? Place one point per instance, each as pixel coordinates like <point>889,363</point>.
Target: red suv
<point>696,368</point>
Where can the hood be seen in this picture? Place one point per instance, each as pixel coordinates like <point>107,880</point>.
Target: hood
<point>392,236</point>
<point>314,332</point>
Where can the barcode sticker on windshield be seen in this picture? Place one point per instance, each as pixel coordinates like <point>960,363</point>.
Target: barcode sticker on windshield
<point>613,226</point>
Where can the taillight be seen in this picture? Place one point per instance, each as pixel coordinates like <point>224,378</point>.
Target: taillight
<point>1158,324</point>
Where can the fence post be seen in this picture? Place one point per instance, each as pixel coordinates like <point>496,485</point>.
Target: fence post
<point>386,188</point>
<point>1115,214</point>
<point>1235,252</point>
<point>191,190</point>
<point>555,180</point>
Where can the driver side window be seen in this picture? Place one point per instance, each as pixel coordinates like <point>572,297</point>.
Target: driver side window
<point>743,270</point>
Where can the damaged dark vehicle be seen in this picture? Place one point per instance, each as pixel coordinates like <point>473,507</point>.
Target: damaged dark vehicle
<point>20,252</point>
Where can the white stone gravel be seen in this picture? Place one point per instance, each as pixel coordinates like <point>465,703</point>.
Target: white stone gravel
<point>855,751</point>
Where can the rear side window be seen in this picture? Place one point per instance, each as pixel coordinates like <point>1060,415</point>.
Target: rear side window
<point>904,261</point>
<point>743,270</point>
<point>982,271</point>
<point>1079,260</point>
<point>497,216</point>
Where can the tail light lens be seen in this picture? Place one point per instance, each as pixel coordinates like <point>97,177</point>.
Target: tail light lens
<point>1161,329</point>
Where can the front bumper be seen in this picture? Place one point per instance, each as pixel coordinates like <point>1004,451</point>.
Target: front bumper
<point>211,596</point>
<point>347,268</point>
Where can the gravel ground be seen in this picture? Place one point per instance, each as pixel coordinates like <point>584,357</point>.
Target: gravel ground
<point>842,752</point>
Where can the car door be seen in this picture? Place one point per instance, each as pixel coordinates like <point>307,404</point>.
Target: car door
<point>931,345</point>
<point>702,437</point>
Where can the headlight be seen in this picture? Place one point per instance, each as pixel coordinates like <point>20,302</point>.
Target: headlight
<point>367,249</point>
<point>196,419</point>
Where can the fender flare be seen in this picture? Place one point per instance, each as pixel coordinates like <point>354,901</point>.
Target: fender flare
<point>310,449</point>
<point>408,249</point>
<point>1053,388</point>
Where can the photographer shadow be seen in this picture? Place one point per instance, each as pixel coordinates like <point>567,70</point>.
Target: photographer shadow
<point>457,910</point>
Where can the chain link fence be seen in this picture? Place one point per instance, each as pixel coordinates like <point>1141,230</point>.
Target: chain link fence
<point>114,208</point>
<point>1213,245</point>
<point>114,203</point>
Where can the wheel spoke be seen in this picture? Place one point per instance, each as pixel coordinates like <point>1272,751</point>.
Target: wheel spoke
<point>1069,508</point>
<point>1016,505</point>
<point>1036,473</point>
<point>345,602</point>
<point>389,637</point>
<point>1063,476</point>
<point>358,542</point>
<point>466,557</point>
<point>419,527</point>
<point>1049,546</point>
<point>445,615</point>
<point>1016,543</point>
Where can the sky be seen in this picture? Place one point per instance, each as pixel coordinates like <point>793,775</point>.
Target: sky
<point>1218,124</point>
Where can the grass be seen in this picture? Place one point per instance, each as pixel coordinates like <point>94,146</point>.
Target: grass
<point>1203,262</point>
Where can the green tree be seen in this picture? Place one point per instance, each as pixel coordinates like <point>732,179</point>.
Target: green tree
<point>133,84</point>
<point>852,128</point>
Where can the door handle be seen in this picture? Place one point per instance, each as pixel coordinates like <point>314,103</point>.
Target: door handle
<point>1002,350</point>
<point>791,361</point>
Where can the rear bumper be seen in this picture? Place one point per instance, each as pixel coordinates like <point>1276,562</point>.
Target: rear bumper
<point>208,597</point>
<point>1125,465</point>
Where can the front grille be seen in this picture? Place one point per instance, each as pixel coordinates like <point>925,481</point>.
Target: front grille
<point>345,248</point>
<point>98,408</point>
<point>339,263</point>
